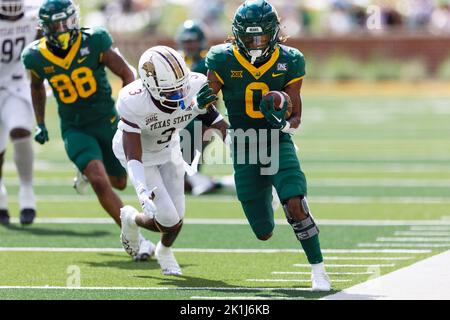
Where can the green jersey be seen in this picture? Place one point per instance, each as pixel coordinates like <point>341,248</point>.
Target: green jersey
<point>244,85</point>
<point>78,80</point>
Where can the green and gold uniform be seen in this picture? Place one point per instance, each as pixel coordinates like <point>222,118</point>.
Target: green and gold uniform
<point>83,94</point>
<point>243,86</point>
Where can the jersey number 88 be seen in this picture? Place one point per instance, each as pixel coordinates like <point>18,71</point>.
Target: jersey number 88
<point>80,84</point>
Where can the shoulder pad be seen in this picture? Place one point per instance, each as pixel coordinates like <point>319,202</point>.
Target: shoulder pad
<point>217,54</point>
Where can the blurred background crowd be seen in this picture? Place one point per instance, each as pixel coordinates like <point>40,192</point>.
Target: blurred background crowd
<point>300,17</point>
<point>342,39</point>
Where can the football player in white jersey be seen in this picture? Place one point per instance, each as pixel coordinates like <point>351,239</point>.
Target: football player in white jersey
<point>18,27</point>
<point>153,110</point>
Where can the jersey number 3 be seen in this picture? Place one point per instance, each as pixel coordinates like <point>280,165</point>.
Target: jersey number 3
<point>253,88</point>
<point>80,84</point>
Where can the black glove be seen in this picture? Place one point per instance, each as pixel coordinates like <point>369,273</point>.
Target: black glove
<point>275,118</point>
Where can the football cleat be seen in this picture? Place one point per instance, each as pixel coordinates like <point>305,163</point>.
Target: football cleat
<point>27,216</point>
<point>146,250</point>
<point>129,235</point>
<point>80,183</point>
<point>167,261</point>
<point>4,217</point>
<point>319,278</point>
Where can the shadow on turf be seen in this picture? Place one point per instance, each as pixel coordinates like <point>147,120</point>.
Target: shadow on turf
<point>41,231</point>
<point>195,283</point>
<point>124,264</point>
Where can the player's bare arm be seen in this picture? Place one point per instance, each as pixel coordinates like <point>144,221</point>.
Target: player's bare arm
<point>293,90</point>
<point>214,82</point>
<point>118,66</point>
<point>132,143</point>
<point>38,97</point>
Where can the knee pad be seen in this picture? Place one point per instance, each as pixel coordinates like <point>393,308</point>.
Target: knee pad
<point>303,229</point>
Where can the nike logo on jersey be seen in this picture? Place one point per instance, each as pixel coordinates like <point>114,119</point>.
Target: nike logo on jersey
<point>81,60</point>
<point>274,75</point>
<point>113,119</point>
<point>276,118</point>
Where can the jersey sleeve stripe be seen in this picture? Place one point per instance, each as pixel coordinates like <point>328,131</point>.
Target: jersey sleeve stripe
<point>218,77</point>
<point>35,74</point>
<point>293,81</point>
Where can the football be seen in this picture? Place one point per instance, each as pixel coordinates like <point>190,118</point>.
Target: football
<point>279,97</point>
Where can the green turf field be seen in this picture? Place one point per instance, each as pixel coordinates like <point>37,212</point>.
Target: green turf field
<point>378,169</point>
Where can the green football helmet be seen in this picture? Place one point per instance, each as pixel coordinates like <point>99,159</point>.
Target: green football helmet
<point>191,38</point>
<point>59,21</point>
<point>256,28</point>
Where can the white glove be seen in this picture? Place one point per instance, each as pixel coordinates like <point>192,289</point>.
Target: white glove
<point>146,199</point>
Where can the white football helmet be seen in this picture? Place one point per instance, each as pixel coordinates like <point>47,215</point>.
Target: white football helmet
<point>166,76</point>
<point>12,8</point>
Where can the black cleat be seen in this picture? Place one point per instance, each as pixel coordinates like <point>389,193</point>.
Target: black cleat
<point>4,217</point>
<point>27,216</point>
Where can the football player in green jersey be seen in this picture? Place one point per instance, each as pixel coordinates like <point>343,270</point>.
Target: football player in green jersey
<point>191,42</point>
<point>73,61</point>
<point>253,64</point>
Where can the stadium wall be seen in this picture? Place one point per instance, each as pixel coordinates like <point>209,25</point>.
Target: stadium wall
<point>433,50</point>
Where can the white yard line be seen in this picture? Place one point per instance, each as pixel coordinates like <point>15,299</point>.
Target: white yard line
<point>405,245</point>
<point>319,182</point>
<point>428,279</point>
<point>368,258</point>
<point>228,199</point>
<point>151,288</point>
<point>292,280</point>
<point>329,273</point>
<point>214,221</point>
<point>413,239</point>
<point>247,298</point>
<point>422,233</point>
<point>201,250</point>
<point>430,228</point>
<point>349,265</point>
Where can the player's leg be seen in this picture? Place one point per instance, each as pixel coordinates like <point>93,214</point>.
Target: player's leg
<point>291,186</point>
<point>84,151</point>
<point>104,132</point>
<point>4,214</point>
<point>18,119</point>
<point>167,219</point>
<point>172,177</point>
<point>255,194</point>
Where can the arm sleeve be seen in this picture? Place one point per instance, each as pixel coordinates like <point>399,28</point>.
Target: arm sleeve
<point>136,173</point>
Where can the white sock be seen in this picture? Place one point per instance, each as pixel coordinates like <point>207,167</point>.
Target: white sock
<point>23,158</point>
<point>3,196</point>
<point>318,267</point>
<point>162,249</point>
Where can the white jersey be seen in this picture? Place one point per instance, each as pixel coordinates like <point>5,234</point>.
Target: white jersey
<point>159,130</point>
<point>14,36</point>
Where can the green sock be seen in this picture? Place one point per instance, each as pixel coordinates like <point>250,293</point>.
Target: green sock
<point>312,249</point>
